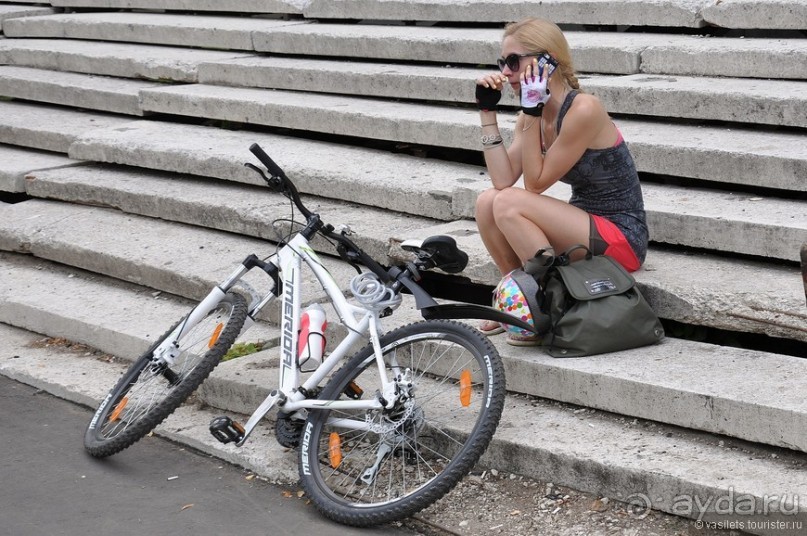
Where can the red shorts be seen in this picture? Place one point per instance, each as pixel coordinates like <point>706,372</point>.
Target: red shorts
<point>607,239</point>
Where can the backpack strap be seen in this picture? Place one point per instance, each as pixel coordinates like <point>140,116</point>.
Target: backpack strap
<point>540,263</point>
<point>534,294</point>
<point>565,258</point>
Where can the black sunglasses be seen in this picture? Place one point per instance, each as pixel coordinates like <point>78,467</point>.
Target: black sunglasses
<point>514,60</point>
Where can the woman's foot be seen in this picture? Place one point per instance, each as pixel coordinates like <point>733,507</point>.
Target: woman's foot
<point>489,327</point>
<point>523,340</point>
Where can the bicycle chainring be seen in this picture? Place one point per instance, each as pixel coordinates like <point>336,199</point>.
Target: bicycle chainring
<point>288,431</point>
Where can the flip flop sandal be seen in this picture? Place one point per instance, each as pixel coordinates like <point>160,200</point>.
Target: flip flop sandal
<point>519,340</point>
<point>489,327</point>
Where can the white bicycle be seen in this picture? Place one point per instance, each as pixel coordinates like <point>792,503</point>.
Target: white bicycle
<point>391,431</point>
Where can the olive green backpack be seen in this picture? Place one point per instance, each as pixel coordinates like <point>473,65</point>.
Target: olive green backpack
<point>588,306</point>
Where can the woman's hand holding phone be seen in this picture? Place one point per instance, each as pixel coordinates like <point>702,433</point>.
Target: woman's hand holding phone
<point>535,85</point>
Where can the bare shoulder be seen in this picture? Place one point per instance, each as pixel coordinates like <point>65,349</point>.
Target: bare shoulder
<point>588,121</point>
<point>588,108</point>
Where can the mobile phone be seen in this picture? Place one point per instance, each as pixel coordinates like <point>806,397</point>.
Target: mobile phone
<point>548,62</point>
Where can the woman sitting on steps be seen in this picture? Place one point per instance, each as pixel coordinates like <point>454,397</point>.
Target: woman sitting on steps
<point>564,135</point>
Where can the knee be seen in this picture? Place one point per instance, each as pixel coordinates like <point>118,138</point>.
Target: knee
<point>505,204</point>
<point>484,204</point>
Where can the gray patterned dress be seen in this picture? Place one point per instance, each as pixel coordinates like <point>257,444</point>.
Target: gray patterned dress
<point>605,183</point>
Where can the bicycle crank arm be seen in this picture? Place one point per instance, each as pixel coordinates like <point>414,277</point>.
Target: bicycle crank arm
<point>274,397</point>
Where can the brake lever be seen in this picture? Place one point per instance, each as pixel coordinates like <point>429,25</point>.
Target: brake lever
<point>274,182</point>
<point>344,255</point>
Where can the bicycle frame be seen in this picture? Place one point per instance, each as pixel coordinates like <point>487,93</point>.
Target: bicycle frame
<point>291,395</point>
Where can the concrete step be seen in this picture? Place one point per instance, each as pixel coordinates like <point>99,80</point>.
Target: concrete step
<point>666,468</point>
<point>717,220</point>
<point>678,13</point>
<point>683,13</point>
<point>777,102</point>
<point>718,389</point>
<point>125,60</point>
<point>16,163</point>
<point>734,156</point>
<point>10,11</point>
<point>100,93</point>
<point>50,128</point>
<point>765,102</point>
<point>226,206</point>
<point>766,14</point>
<point>594,52</point>
<point>202,31</point>
<point>351,173</point>
<point>772,14</point>
<point>678,216</point>
<point>693,289</point>
<point>113,316</point>
<point>181,259</point>
<point>232,6</point>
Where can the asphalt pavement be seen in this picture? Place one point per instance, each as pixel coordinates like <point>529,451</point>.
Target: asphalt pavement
<point>156,487</point>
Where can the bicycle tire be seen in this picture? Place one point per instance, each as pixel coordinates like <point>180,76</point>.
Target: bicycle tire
<point>434,439</point>
<point>143,397</point>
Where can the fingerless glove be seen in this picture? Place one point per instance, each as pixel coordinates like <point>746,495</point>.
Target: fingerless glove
<point>487,98</point>
<point>534,94</point>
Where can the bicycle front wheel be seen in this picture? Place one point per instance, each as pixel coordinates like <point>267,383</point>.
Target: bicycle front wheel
<point>367,467</point>
<point>147,393</point>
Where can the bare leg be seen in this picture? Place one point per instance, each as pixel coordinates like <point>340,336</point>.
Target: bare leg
<point>529,222</point>
<point>503,255</point>
<point>495,242</point>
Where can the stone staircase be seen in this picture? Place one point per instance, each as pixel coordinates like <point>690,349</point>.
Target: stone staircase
<point>125,125</point>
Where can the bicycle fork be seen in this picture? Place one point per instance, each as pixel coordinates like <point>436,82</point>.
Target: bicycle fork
<point>165,354</point>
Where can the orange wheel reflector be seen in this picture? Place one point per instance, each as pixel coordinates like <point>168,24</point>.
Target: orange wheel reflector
<point>115,415</point>
<point>465,388</point>
<point>335,449</point>
<point>215,337</point>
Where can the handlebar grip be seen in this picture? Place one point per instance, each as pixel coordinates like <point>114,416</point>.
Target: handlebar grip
<point>267,161</point>
<point>286,186</point>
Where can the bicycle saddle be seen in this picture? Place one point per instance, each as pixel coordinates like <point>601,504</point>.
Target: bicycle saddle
<point>441,250</point>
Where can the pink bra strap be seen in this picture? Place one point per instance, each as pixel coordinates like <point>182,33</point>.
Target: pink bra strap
<point>619,138</point>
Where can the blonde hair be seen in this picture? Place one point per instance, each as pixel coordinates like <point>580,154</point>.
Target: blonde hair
<point>538,35</point>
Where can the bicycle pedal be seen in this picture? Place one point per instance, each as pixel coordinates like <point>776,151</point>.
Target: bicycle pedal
<point>226,430</point>
<point>353,391</point>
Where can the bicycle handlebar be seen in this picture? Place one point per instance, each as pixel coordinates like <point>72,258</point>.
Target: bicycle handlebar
<point>275,171</point>
<point>287,186</point>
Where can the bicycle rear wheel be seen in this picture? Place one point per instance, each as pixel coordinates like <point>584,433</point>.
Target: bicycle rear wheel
<point>370,467</point>
<point>147,393</point>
